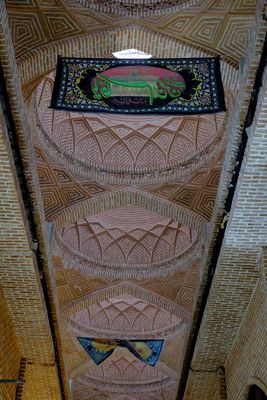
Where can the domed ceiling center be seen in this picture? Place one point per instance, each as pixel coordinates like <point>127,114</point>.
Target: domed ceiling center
<point>124,315</point>
<point>127,237</point>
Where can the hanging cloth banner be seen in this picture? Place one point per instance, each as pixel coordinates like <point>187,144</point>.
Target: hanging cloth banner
<point>180,86</point>
<point>147,351</point>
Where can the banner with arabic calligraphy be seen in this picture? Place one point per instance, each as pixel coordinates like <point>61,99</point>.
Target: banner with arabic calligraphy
<point>180,86</point>
<point>147,351</point>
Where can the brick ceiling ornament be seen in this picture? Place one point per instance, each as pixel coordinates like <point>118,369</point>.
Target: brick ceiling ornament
<point>84,392</point>
<point>122,374</point>
<point>131,148</point>
<point>137,8</point>
<point>132,200</point>
<point>223,28</point>
<point>124,316</point>
<point>160,291</point>
<point>126,242</point>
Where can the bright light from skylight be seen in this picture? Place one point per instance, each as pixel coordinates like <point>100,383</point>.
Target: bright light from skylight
<point>131,53</point>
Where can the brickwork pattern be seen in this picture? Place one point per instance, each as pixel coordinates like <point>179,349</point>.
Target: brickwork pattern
<point>46,26</point>
<point>41,383</point>
<point>127,314</point>
<point>246,363</point>
<point>161,148</point>
<point>237,270</point>
<point>174,292</point>
<point>147,245</point>
<point>19,262</point>
<point>10,355</point>
<point>132,196</point>
<point>136,7</point>
<point>222,27</point>
<point>34,65</point>
<point>62,189</point>
<point>20,281</point>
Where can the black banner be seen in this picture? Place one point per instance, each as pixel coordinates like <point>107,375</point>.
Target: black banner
<point>180,86</point>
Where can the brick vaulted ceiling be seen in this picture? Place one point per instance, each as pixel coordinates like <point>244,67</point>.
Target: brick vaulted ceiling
<point>131,198</point>
<point>215,25</point>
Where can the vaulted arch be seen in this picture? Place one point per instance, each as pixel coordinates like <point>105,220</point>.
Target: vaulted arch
<point>126,242</point>
<point>122,289</point>
<point>123,373</point>
<point>36,64</point>
<point>124,316</point>
<point>129,195</point>
<point>131,150</point>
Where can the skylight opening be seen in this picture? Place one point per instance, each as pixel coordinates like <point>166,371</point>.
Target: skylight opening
<point>131,53</point>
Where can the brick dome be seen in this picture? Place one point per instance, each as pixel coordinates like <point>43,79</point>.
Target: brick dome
<point>128,238</point>
<point>107,147</point>
<point>124,316</point>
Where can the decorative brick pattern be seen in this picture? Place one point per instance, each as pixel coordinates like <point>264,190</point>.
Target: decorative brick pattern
<point>137,7</point>
<point>238,266</point>
<point>124,314</point>
<point>127,369</point>
<point>10,355</point>
<point>140,291</point>
<point>222,27</point>
<point>146,245</point>
<point>132,196</point>
<point>186,212</point>
<point>246,363</point>
<point>34,65</point>
<point>100,146</point>
<point>20,280</point>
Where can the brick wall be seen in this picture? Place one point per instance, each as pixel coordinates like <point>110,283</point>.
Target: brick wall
<point>237,272</point>
<point>19,275</point>
<point>247,360</point>
<point>10,355</point>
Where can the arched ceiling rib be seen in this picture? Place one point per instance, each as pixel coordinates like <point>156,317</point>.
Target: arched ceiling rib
<point>161,294</point>
<point>68,197</point>
<point>129,196</point>
<point>94,394</point>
